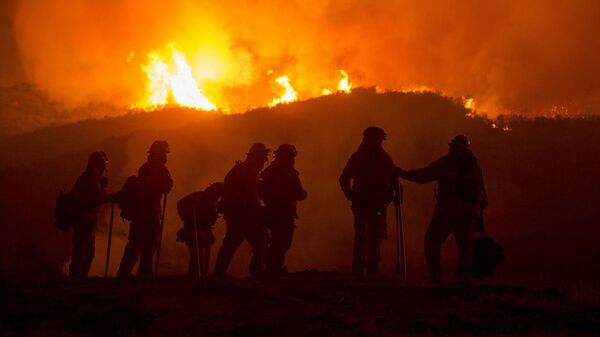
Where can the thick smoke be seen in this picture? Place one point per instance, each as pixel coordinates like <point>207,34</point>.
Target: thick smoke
<point>525,56</point>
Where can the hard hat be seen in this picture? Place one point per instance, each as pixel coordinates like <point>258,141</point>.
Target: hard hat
<point>159,146</point>
<point>97,159</point>
<point>460,140</point>
<point>286,150</point>
<point>258,149</point>
<point>374,132</point>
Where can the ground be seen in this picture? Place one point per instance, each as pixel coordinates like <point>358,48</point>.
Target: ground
<point>302,304</point>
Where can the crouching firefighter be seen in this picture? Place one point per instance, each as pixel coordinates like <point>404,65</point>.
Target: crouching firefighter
<point>242,210</point>
<point>368,181</point>
<point>89,193</point>
<point>280,189</point>
<point>140,202</point>
<point>461,197</point>
<point>198,211</point>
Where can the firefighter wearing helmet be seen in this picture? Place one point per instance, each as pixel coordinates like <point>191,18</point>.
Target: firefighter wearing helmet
<point>242,209</point>
<point>281,190</point>
<point>90,193</point>
<point>153,181</point>
<point>369,183</point>
<point>461,197</point>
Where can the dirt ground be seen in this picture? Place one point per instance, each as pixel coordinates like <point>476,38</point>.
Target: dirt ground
<point>302,304</point>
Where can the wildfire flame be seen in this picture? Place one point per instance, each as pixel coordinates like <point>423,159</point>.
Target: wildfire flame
<point>343,86</point>
<point>171,84</point>
<point>289,95</point>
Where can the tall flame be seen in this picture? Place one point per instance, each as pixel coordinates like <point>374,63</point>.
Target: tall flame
<point>344,85</point>
<point>289,95</point>
<point>165,84</point>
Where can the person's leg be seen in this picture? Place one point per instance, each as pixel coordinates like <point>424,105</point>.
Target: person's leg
<point>360,240</point>
<point>90,249</point>
<point>132,250</point>
<point>464,236</point>
<point>150,238</point>
<point>281,241</point>
<point>375,224</point>
<point>437,232</point>
<point>233,239</point>
<point>77,251</point>
<point>258,239</point>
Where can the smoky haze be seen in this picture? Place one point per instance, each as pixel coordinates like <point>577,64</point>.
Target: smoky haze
<point>523,56</point>
<point>541,178</point>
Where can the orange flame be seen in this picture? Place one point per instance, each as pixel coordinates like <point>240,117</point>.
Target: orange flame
<point>165,85</point>
<point>289,95</point>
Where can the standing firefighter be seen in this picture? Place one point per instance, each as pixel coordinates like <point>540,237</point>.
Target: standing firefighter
<point>281,190</point>
<point>368,181</point>
<point>460,199</point>
<point>141,203</point>
<point>242,210</point>
<point>198,210</point>
<point>89,193</point>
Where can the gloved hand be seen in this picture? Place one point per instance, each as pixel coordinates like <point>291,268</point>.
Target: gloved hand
<point>113,197</point>
<point>348,195</point>
<point>478,227</point>
<point>103,182</point>
<point>398,171</point>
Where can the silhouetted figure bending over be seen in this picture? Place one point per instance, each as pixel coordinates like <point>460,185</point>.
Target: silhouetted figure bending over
<point>369,182</point>
<point>243,210</point>
<point>460,198</point>
<point>198,210</point>
<point>90,192</point>
<point>153,181</point>
<point>281,190</point>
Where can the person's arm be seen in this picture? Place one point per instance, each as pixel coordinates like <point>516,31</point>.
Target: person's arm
<point>346,177</point>
<point>167,182</point>
<point>484,197</point>
<point>423,175</point>
<point>299,192</point>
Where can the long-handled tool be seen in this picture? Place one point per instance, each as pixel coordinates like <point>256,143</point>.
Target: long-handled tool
<point>110,227</point>
<point>162,225</point>
<point>196,248</point>
<point>400,245</point>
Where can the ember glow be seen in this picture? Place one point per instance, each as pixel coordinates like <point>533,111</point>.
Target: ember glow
<point>170,81</point>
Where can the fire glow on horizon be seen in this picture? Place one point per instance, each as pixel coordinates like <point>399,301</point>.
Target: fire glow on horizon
<point>170,81</point>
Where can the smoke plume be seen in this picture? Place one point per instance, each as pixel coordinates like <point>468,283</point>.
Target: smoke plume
<point>524,56</point>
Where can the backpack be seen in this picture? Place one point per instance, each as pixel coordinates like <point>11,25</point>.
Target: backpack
<point>128,198</point>
<point>185,206</point>
<point>66,210</point>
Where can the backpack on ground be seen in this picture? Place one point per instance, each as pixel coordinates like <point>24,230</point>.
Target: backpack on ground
<point>487,255</point>
<point>128,198</point>
<point>65,211</point>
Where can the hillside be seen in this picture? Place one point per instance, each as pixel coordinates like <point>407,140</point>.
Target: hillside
<point>542,180</point>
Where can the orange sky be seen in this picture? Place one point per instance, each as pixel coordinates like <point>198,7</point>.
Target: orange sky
<point>513,56</point>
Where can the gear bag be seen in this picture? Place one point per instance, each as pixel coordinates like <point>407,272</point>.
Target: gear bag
<point>65,210</point>
<point>128,198</point>
<point>487,255</point>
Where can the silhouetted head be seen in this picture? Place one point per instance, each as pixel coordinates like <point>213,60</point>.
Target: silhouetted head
<point>158,151</point>
<point>373,136</point>
<point>286,154</point>
<point>97,160</point>
<point>214,191</point>
<point>460,145</point>
<point>258,155</point>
